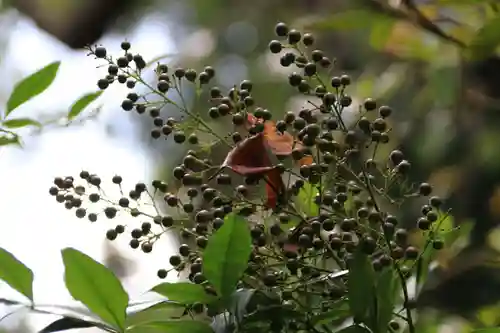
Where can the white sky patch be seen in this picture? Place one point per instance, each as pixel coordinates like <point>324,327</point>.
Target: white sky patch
<point>34,227</point>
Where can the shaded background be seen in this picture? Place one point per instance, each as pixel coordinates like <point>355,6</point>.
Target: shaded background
<point>446,109</point>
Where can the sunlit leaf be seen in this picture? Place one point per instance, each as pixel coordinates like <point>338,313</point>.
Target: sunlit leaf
<point>226,255</point>
<point>32,86</point>
<point>20,122</point>
<point>9,140</point>
<point>158,312</point>
<point>352,19</point>
<point>183,292</point>
<point>486,40</point>
<point>173,326</point>
<point>380,32</point>
<point>81,103</point>
<point>95,286</point>
<point>16,274</point>
<point>361,289</point>
<point>306,199</point>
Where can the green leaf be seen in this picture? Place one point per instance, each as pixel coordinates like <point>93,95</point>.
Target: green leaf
<point>20,122</point>
<point>340,312</point>
<point>387,291</point>
<point>443,85</point>
<point>380,32</point>
<point>486,40</point>
<point>32,86</point>
<point>9,140</point>
<point>158,312</point>
<point>360,285</point>
<point>464,2</point>
<point>95,286</point>
<point>183,292</point>
<point>226,255</point>
<point>352,19</point>
<point>487,330</point>
<point>82,103</point>
<point>16,274</point>
<point>306,199</point>
<point>173,326</point>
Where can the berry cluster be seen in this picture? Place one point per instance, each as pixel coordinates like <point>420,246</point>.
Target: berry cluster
<point>329,195</point>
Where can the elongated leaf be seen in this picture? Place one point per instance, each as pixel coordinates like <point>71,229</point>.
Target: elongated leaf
<point>155,313</point>
<point>226,256</point>
<point>20,122</point>
<point>361,291</point>
<point>32,86</point>
<point>95,286</point>
<point>306,199</point>
<point>486,40</point>
<point>387,283</point>
<point>487,330</point>
<point>9,140</point>
<point>183,292</point>
<point>68,323</point>
<point>16,274</point>
<point>339,312</point>
<point>173,326</point>
<point>81,103</point>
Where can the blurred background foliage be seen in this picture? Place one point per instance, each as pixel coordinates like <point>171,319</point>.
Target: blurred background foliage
<point>433,61</point>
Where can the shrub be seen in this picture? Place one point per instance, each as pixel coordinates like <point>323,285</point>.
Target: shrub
<point>296,230</point>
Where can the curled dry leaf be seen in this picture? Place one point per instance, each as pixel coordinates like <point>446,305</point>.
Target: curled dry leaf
<point>252,156</point>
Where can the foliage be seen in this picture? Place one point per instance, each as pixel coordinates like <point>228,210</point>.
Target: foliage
<point>26,90</point>
<point>321,249</point>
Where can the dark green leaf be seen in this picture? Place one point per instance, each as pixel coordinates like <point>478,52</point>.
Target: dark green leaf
<point>32,86</point>
<point>339,312</point>
<point>443,85</point>
<point>95,286</point>
<point>68,323</point>
<point>486,40</point>
<point>361,291</point>
<point>387,291</point>
<point>354,329</point>
<point>352,19</point>
<point>16,274</point>
<point>155,313</point>
<point>9,140</point>
<point>226,256</point>
<point>183,292</point>
<point>173,326</point>
<point>464,2</point>
<point>20,122</point>
<point>487,330</point>
<point>81,103</point>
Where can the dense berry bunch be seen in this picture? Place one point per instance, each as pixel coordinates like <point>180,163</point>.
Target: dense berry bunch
<point>315,188</point>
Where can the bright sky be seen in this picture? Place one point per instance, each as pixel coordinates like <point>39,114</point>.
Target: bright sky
<point>32,225</point>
